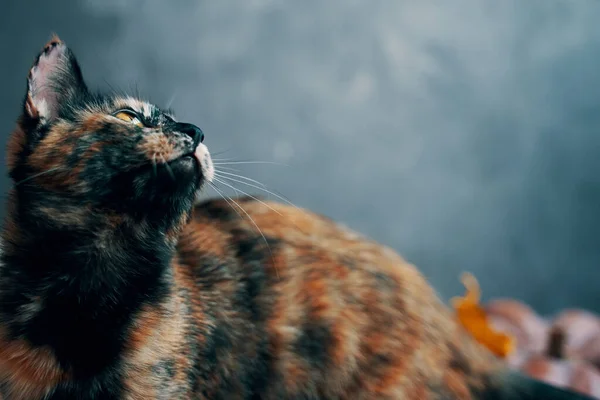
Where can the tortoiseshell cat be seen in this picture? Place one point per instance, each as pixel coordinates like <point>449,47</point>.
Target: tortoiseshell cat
<point>113,285</point>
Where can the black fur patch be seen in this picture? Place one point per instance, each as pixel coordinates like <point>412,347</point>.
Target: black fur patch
<point>314,341</point>
<point>514,386</point>
<point>91,277</point>
<point>219,210</point>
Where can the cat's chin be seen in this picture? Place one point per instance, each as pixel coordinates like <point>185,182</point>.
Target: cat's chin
<point>187,162</point>
<point>195,166</point>
<point>185,167</point>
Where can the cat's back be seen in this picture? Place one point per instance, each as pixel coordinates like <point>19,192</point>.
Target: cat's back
<point>291,243</point>
<point>219,225</point>
<point>330,313</point>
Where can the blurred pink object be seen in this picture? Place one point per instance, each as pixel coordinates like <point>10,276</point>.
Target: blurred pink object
<point>573,375</point>
<point>519,320</point>
<point>563,351</point>
<point>581,330</point>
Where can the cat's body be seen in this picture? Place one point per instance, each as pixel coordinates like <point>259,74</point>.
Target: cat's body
<point>114,286</point>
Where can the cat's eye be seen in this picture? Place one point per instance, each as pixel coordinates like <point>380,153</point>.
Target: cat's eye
<point>129,116</point>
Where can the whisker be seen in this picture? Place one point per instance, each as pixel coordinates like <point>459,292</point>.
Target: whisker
<point>169,170</point>
<point>36,175</point>
<point>229,169</point>
<point>117,92</point>
<point>154,167</point>
<point>249,162</point>
<point>223,159</point>
<point>249,195</point>
<point>241,177</point>
<point>171,100</point>
<point>253,222</point>
<point>222,152</point>
<point>262,187</point>
<point>225,198</point>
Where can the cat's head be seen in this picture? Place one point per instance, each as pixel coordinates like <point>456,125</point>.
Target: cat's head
<point>96,151</point>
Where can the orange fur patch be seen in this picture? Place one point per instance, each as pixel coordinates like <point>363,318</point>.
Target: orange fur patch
<point>150,339</point>
<point>158,148</point>
<point>33,372</point>
<point>55,40</point>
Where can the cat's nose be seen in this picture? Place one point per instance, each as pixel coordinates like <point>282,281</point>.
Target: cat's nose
<point>192,131</point>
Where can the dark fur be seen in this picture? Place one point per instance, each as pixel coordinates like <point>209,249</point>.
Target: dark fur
<point>114,286</point>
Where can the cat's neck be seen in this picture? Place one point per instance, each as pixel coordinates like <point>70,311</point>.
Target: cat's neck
<point>74,279</point>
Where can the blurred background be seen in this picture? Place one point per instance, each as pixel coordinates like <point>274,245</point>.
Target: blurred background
<point>464,134</point>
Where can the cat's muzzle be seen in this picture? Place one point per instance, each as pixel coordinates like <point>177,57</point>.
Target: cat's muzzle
<point>202,156</point>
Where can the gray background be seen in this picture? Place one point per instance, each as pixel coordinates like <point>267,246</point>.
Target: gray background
<point>465,134</point>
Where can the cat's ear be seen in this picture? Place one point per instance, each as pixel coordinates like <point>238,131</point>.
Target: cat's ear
<point>54,79</point>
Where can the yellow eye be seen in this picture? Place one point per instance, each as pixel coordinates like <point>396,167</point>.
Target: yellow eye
<point>129,117</point>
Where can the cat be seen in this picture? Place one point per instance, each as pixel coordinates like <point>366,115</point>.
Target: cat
<point>117,283</point>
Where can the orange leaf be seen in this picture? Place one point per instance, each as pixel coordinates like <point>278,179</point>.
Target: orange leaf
<point>474,319</point>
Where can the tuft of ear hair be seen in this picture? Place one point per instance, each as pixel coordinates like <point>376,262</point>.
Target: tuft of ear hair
<point>53,79</point>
